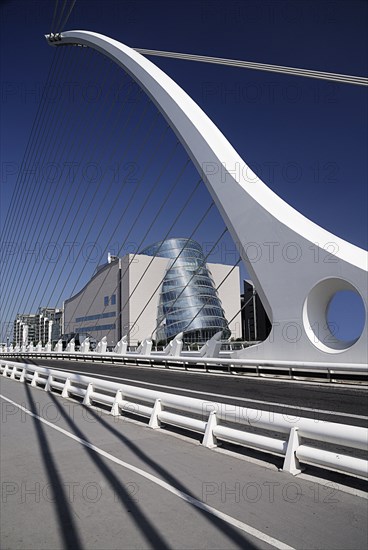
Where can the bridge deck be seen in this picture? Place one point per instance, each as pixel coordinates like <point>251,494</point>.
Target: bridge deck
<point>104,482</point>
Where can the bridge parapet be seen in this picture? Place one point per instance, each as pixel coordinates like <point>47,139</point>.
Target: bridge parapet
<point>210,418</point>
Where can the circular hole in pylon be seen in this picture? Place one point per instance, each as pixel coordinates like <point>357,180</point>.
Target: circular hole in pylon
<point>334,315</point>
<point>346,315</point>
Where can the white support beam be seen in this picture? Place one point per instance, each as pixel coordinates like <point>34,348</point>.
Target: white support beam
<point>295,289</point>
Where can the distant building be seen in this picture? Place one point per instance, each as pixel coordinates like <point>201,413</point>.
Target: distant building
<point>25,328</point>
<point>52,324</point>
<point>256,325</point>
<point>43,326</point>
<point>153,295</point>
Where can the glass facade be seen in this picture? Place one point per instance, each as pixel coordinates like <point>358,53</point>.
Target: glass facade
<point>188,300</point>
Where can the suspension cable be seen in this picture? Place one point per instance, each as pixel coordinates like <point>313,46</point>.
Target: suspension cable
<point>136,218</point>
<point>240,310</point>
<point>26,210</point>
<point>184,206</point>
<point>126,208</point>
<point>323,75</point>
<point>61,209</point>
<point>201,265</point>
<point>217,288</point>
<point>29,147</point>
<point>156,216</point>
<point>40,226</point>
<point>142,240</point>
<point>57,27</point>
<point>54,16</point>
<point>115,125</point>
<point>152,259</point>
<point>63,24</point>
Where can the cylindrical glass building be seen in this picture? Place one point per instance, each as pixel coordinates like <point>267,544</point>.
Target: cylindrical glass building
<point>188,301</point>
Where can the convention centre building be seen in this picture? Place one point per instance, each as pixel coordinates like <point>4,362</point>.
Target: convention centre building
<point>166,289</point>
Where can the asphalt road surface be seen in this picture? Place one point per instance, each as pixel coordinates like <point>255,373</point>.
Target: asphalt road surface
<point>322,401</point>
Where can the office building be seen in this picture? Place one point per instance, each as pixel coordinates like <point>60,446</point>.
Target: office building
<point>256,325</point>
<point>157,294</point>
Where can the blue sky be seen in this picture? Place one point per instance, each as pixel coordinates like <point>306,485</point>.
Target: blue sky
<point>307,139</point>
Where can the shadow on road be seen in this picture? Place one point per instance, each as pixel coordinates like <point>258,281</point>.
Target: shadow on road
<point>67,526</point>
<point>153,537</point>
<point>233,534</point>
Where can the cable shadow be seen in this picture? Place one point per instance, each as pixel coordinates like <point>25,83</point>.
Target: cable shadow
<point>153,537</point>
<point>232,533</point>
<point>67,526</point>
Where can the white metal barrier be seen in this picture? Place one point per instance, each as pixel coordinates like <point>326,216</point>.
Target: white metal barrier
<point>210,419</point>
<point>290,369</point>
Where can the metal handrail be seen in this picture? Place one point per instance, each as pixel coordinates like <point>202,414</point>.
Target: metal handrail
<point>209,418</point>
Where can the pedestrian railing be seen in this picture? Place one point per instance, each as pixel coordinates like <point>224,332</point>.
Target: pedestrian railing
<point>292,438</point>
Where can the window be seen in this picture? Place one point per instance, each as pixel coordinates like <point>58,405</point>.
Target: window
<point>113,299</point>
<point>96,317</point>
<point>106,301</point>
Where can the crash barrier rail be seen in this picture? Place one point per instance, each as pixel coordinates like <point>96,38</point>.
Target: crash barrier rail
<point>253,367</point>
<point>210,419</point>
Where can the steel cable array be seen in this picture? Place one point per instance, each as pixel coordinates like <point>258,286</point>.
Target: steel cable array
<point>68,208</point>
<point>30,191</point>
<point>57,25</point>
<point>40,205</point>
<point>293,71</point>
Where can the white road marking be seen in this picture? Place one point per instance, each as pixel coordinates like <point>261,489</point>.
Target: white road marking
<point>163,484</point>
<point>245,399</point>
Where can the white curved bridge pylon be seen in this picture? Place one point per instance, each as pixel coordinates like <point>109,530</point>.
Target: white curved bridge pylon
<point>297,267</point>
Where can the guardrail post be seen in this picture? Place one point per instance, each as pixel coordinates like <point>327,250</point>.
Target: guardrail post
<point>291,463</point>
<point>209,440</point>
<point>34,379</point>
<point>65,392</point>
<point>12,376</point>
<point>87,399</point>
<point>5,371</point>
<point>115,410</point>
<point>48,383</point>
<point>154,422</point>
<point>23,375</point>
